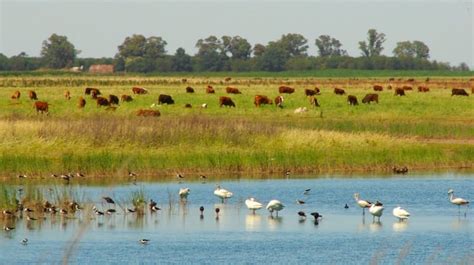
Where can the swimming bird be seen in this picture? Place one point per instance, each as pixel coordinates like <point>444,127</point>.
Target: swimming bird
<point>144,241</point>
<point>109,200</point>
<point>302,215</point>
<point>8,228</point>
<point>400,213</point>
<point>110,211</point>
<point>275,205</point>
<point>222,193</point>
<point>131,210</point>
<point>457,201</point>
<point>24,241</point>
<point>316,216</point>
<point>253,205</point>
<point>306,191</point>
<point>346,206</point>
<point>201,209</point>
<point>376,210</point>
<point>300,202</point>
<point>155,208</point>
<point>362,203</point>
<point>217,210</point>
<point>183,193</point>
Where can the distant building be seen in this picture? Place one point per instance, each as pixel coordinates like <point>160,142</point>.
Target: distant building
<point>101,68</point>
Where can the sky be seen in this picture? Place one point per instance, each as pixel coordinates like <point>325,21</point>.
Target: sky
<point>98,27</point>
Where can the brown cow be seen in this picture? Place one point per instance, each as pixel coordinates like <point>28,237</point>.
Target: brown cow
<point>16,95</point>
<point>32,95</point>
<point>90,89</point>
<point>399,92</point>
<point>407,88</point>
<point>261,100</point>
<point>226,101</point>
<point>313,101</point>
<point>210,90</point>
<point>352,100</point>
<point>162,99</point>
<point>459,92</point>
<point>95,93</point>
<point>312,92</point>
<point>279,101</point>
<point>378,88</point>
<point>113,99</point>
<point>472,90</point>
<point>41,106</point>
<point>286,90</point>
<point>423,89</point>
<point>391,79</point>
<point>101,101</point>
<point>148,113</point>
<point>189,89</point>
<point>232,90</point>
<point>82,103</point>
<point>126,98</point>
<point>227,79</point>
<point>411,80</point>
<point>139,90</point>
<point>389,87</point>
<point>188,106</point>
<point>339,91</point>
<point>370,97</point>
<point>67,94</point>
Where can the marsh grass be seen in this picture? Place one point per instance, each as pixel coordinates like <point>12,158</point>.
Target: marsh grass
<point>8,198</point>
<point>138,199</point>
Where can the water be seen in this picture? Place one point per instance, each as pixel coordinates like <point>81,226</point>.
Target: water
<point>434,234</point>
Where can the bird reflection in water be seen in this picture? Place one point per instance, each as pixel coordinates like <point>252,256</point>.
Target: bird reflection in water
<point>274,222</point>
<point>375,226</point>
<point>252,222</point>
<point>399,226</point>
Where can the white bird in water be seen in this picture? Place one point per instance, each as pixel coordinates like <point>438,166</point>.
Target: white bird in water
<point>362,203</point>
<point>253,205</point>
<point>457,201</point>
<point>376,210</point>
<point>400,213</point>
<point>183,193</point>
<point>222,193</point>
<point>275,205</point>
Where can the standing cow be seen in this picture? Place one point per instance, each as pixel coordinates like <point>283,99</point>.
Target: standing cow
<point>370,98</point>
<point>286,90</point>
<point>261,100</point>
<point>32,95</point>
<point>226,101</point>
<point>82,103</point>
<point>165,99</point>
<point>41,107</point>
<point>352,100</point>
<point>459,92</point>
<point>16,95</point>
<point>279,101</point>
<point>339,91</point>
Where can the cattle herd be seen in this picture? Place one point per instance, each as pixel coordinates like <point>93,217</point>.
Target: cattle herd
<point>112,101</point>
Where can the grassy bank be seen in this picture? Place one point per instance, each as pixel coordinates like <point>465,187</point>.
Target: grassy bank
<point>425,131</point>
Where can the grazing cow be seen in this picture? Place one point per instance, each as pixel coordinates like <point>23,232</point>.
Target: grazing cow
<point>261,100</point>
<point>101,101</point>
<point>313,101</point>
<point>411,80</point>
<point>113,99</point>
<point>226,101</point>
<point>139,90</point>
<point>41,106</point>
<point>227,79</point>
<point>232,90</point>
<point>184,80</point>
<point>90,89</point>
<point>391,79</point>
<point>67,94</point>
<point>279,101</point>
<point>126,98</point>
<point>286,90</point>
<point>16,95</point>
<point>423,89</point>
<point>389,87</point>
<point>407,88</point>
<point>378,88</point>
<point>339,91</point>
<point>352,100</point>
<point>370,97</point>
<point>188,106</point>
<point>165,99</point>
<point>311,92</point>
<point>189,89</point>
<point>459,92</point>
<point>210,90</point>
<point>399,92</point>
<point>148,113</point>
<point>95,93</point>
<point>82,103</point>
<point>32,95</point>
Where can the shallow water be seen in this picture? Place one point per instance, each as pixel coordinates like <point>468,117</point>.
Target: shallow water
<point>434,234</point>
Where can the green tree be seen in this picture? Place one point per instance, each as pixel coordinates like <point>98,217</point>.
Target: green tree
<point>328,46</point>
<point>154,48</point>
<point>237,46</point>
<point>181,62</point>
<point>404,49</point>
<point>421,50</point>
<point>3,62</point>
<point>373,46</point>
<point>294,44</point>
<point>211,54</point>
<point>258,50</point>
<point>58,52</point>
<point>274,58</point>
<point>139,46</point>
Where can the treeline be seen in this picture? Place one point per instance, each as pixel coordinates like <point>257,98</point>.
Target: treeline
<point>289,53</point>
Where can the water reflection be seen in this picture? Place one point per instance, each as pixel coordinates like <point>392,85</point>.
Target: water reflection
<point>400,226</point>
<point>375,226</point>
<point>274,222</point>
<point>460,223</point>
<point>253,222</point>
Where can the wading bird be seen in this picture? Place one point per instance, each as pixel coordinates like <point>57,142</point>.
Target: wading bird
<point>457,201</point>
<point>400,213</point>
<point>275,205</point>
<point>376,210</point>
<point>222,193</point>
<point>183,193</point>
<point>253,205</point>
<point>362,203</point>
<point>144,241</point>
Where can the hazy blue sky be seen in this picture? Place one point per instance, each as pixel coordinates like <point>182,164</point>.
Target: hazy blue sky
<point>98,27</point>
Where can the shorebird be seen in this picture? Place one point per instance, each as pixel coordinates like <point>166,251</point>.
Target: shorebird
<point>275,205</point>
<point>109,200</point>
<point>152,203</point>
<point>316,216</point>
<point>179,176</point>
<point>253,205</point>
<point>201,209</point>
<point>110,211</point>
<point>376,210</point>
<point>183,193</point>
<point>132,174</point>
<point>28,210</point>
<point>22,176</point>
<point>155,208</point>
<point>306,191</point>
<point>8,228</point>
<point>24,241</point>
<point>202,177</point>
<point>7,213</point>
<point>302,215</point>
<point>457,201</point>
<point>346,206</point>
<point>131,210</point>
<point>29,218</point>
<point>287,173</point>
<point>144,241</point>
<point>300,202</point>
<point>63,212</point>
<point>400,213</point>
<point>222,193</point>
<point>54,176</point>
<point>362,203</point>
<point>80,175</point>
<point>217,210</point>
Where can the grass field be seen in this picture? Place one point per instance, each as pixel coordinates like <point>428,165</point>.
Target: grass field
<point>423,131</point>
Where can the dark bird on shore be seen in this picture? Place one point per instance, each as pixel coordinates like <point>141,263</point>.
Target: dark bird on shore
<point>306,191</point>
<point>302,214</point>
<point>132,174</point>
<point>179,176</point>
<point>28,210</point>
<point>300,202</point>
<point>110,211</point>
<point>8,228</point>
<point>24,241</point>
<point>22,176</point>
<point>346,206</point>
<point>109,200</point>
<point>80,175</point>
<point>144,241</point>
